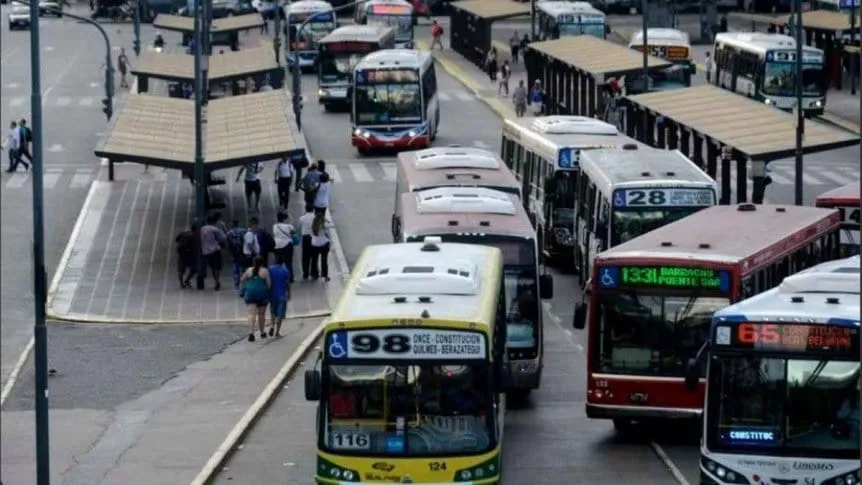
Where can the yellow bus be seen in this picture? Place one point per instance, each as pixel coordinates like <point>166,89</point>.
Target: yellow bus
<point>411,376</point>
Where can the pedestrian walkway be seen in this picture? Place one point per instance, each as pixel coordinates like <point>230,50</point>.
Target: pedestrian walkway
<point>54,178</point>
<point>122,259</point>
<point>166,436</point>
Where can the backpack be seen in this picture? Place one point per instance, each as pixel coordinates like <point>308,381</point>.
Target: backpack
<point>184,243</point>
<point>255,290</point>
<point>235,241</point>
<point>28,135</point>
<point>265,241</point>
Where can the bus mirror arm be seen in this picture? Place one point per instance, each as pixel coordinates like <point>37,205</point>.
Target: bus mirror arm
<point>312,385</point>
<point>580,319</point>
<point>692,370</point>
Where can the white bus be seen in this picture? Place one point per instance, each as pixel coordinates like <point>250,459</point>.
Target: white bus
<point>622,194</point>
<point>395,106</point>
<point>397,14</point>
<point>544,154</point>
<point>783,383</point>
<point>673,46</point>
<point>763,67</point>
<point>560,19</point>
<point>339,54</point>
<point>321,21</point>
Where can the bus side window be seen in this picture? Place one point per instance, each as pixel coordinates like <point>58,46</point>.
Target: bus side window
<point>604,209</point>
<point>748,287</point>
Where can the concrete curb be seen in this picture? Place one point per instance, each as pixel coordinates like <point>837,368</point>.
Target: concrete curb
<point>223,453</point>
<point>102,320</point>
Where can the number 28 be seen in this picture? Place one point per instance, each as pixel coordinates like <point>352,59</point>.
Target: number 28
<point>642,197</point>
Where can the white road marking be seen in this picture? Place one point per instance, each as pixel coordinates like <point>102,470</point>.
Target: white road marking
<point>51,177</point>
<point>48,48</point>
<point>16,102</point>
<point>9,54</point>
<point>13,376</point>
<point>72,64</point>
<point>390,171</point>
<point>63,101</point>
<point>464,96</point>
<point>444,97</point>
<point>88,101</point>
<point>671,466</point>
<point>482,144</point>
<point>56,148</point>
<point>94,84</point>
<point>81,178</point>
<point>360,173</point>
<point>854,173</point>
<point>828,174</point>
<point>780,179</point>
<point>12,85</point>
<point>809,180</point>
<point>16,181</point>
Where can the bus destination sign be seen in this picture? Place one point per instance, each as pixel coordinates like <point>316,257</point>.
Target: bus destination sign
<point>391,10</point>
<point>387,76</point>
<point>346,46</point>
<point>663,197</point>
<point>406,344</point>
<point>664,277</point>
<point>790,337</point>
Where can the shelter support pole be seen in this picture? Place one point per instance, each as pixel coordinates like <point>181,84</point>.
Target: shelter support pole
<point>582,86</point>
<point>711,158</point>
<point>200,183</point>
<point>649,129</point>
<point>741,176</point>
<point>726,158</point>
<point>110,169</point>
<point>575,90</point>
<point>853,59</point>
<point>684,141</point>
<point>698,149</point>
<point>630,120</point>
<point>758,179</point>
<point>591,96</point>
<point>661,132</point>
<point>800,117</point>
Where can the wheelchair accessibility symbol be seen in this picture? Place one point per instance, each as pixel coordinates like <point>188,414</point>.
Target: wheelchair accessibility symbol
<point>620,199</point>
<point>337,347</point>
<point>608,278</point>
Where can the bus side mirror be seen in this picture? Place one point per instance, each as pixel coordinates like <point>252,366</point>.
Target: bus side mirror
<point>692,374</point>
<point>546,286</point>
<point>396,227</point>
<point>312,385</point>
<point>580,319</point>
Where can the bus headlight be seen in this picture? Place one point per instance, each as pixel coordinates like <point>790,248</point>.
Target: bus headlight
<point>487,469</point>
<point>724,474</point>
<point>818,104</point>
<point>767,101</point>
<point>322,92</point>
<point>329,470</point>
<point>362,133</point>
<point>335,472</point>
<point>348,475</point>
<point>466,475</point>
<point>412,133</point>
<point>852,478</point>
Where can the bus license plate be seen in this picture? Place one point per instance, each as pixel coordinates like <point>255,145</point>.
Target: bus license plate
<point>390,144</point>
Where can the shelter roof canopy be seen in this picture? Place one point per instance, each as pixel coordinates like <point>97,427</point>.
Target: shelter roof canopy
<point>493,9</point>
<point>596,56</point>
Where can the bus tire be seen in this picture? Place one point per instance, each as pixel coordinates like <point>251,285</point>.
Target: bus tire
<point>625,427</point>
<point>362,151</point>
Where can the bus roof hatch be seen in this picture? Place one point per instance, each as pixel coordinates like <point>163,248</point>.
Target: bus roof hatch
<point>474,200</point>
<point>456,157</point>
<point>573,125</point>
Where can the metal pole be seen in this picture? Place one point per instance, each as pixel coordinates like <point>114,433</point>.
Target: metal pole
<point>854,64</point>
<point>276,42</point>
<point>200,183</point>
<point>800,118</point>
<point>532,20</point>
<point>40,329</point>
<point>646,128</point>
<point>136,18</point>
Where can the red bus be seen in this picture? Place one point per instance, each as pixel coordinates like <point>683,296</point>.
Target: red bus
<point>846,200</point>
<point>650,301</point>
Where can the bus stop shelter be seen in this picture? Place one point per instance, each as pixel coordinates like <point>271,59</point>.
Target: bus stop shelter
<point>224,31</point>
<point>471,25</point>
<point>823,29</point>
<point>230,66</point>
<point>732,127</point>
<point>239,130</point>
<point>572,68</point>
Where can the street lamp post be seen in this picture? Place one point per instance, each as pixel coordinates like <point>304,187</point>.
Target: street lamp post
<point>40,329</point>
<point>200,177</point>
<point>800,118</point>
<point>646,128</point>
<point>136,19</point>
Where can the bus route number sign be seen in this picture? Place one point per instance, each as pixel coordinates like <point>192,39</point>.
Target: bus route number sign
<point>346,46</point>
<point>669,197</point>
<point>791,337</point>
<point>406,343</point>
<point>664,277</point>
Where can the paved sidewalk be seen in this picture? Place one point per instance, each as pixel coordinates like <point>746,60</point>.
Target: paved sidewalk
<point>164,437</point>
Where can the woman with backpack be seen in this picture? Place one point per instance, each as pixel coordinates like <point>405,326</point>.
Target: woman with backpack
<point>255,285</point>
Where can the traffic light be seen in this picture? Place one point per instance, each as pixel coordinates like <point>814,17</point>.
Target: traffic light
<point>107,107</point>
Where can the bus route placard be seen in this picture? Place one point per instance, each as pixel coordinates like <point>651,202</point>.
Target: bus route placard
<point>792,337</point>
<point>681,277</point>
<point>407,344</point>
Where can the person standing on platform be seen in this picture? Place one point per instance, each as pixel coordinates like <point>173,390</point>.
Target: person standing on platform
<point>306,222</point>
<point>212,241</point>
<point>283,179</point>
<point>280,278</point>
<point>436,36</point>
<point>519,99</point>
<point>252,184</point>
<point>235,238</point>
<point>537,98</point>
<point>321,197</point>
<point>320,244</point>
<point>310,183</point>
<point>284,235</point>
<point>514,47</point>
<point>123,67</point>
<point>708,68</point>
<point>491,64</point>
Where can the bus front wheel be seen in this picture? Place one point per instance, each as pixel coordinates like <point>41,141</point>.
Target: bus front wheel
<point>625,427</point>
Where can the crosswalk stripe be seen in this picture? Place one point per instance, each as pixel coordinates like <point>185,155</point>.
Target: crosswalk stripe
<point>88,101</point>
<point>853,173</point>
<point>16,181</point>
<point>444,96</point>
<point>826,173</point>
<point>81,179</point>
<point>360,173</point>
<point>464,96</point>
<point>809,180</point>
<point>51,177</point>
<point>16,102</point>
<point>332,170</point>
<point>63,101</point>
<point>780,179</point>
<point>390,171</point>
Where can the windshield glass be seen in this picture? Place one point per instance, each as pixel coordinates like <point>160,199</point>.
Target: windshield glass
<point>403,24</point>
<point>653,334</point>
<point>779,79</point>
<point>522,312</point>
<point>629,224</point>
<point>562,199</point>
<point>408,410</point>
<point>784,406</point>
<point>673,77</point>
<point>337,67</point>
<point>388,103</point>
<point>596,30</point>
<point>310,35</point>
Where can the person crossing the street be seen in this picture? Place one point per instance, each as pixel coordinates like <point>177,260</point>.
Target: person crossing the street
<point>25,138</point>
<point>11,145</point>
<point>306,221</point>
<point>235,239</point>
<point>212,241</point>
<point>123,67</point>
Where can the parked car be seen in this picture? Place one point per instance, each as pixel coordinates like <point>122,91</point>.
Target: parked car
<point>19,17</point>
<point>50,7</point>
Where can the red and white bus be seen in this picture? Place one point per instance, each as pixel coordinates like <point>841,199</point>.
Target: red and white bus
<point>478,215</point>
<point>650,301</point>
<point>846,200</point>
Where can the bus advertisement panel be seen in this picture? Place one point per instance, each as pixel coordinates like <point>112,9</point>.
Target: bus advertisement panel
<point>783,383</point>
<point>319,19</point>
<point>846,200</point>
<point>650,300</point>
<point>412,369</point>
<point>482,216</point>
<point>340,52</point>
<point>394,101</point>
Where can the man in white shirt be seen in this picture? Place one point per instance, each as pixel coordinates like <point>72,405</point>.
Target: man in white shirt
<point>12,144</point>
<point>252,184</point>
<point>283,178</point>
<point>321,197</point>
<point>708,67</point>
<point>305,223</point>
<point>250,244</point>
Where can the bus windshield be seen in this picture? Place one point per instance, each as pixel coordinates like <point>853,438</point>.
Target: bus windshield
<point>403,24</point>
<point>779,79</point>
<point>388,103</point>
<point>629,224</point>
<point>673,77</point>
<point>522,309</point>
<point>596,30</point>
<point>653,334</point>
<point>310,35</point>
<point>404,411</point>
<point>338,67</point>
<point>799,407</point>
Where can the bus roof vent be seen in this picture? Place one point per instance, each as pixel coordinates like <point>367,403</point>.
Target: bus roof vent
<point>796,299</point>
<point>833,300</point>
<point>645,174</point>
<point>454,175</point>
<point>456,157</point>
<point>670,174</point>
<point>666,244</point>
<point>485,223</point>
<point>432,244</point>
<point>452,279</point>
<point>573,125</point>
<point>452,223</point>
<point>832,282</point>
<point>704,246</point>
<point>630,146</point>
<point>746,208</point>
<point>424,299</point>
<point>473,200</point>
<point>400,299</point>
<point>780,209</point>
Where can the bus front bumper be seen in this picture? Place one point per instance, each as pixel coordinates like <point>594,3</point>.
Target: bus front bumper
<point>333,95</point>
<point>328,481</point>
<point>617,411</point>
<point>526,374</point>
<point>366,140</point>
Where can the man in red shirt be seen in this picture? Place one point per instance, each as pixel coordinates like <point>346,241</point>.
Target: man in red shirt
<point>436,34</point>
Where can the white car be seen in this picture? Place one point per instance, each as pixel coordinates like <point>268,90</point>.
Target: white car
<point>19,17</point>
<point>50,7</point>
